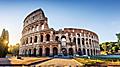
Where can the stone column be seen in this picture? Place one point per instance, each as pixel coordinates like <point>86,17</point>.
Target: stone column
<point>74,51</point>
<point>31,51</point>
<point>40,27</point>
<point>81,51</point>
<point>51,50</point>
<point>67,49</point>
<point>37,50</point>
<point>85,46</point>
<point>71,37</point>
<point>81,41</point>
<point>77,42</point>
<point>33,28</point>
<point>86,51</point>
<point>90,51</point>
<point>67,39</point>
<point>43,51</point>
<point>28,40</point>
<point>20,51</point>
<point>44,37</point>
<point>32,39</point>
<point>59,49</point>
<point>60,37</point>
<point>27,52</point>
<point>38,41</point>
<point>51,36</point>
<point>30,29</point>
<point>89,46</point>
<point>93,46</point>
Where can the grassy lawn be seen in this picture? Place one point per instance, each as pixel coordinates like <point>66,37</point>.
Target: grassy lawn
<point>89,61</point>
<point>94,62</point>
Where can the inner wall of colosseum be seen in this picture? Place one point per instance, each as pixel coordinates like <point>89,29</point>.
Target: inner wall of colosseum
<point>40,40</point>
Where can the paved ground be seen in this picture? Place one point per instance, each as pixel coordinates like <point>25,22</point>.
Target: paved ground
<point>60,63</point>
<point>24,60</point>
<point>57,62</point>
<point>4,61</point>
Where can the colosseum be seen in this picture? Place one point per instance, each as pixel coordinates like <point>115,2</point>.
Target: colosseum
<point>40,40</point>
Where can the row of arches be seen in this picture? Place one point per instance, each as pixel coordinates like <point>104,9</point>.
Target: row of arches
<point>33,28</point>
<point>63,50</point>
<point>93,52</point>
<point>84,41</point>
<point>47,51</point>
<point>30,40</point>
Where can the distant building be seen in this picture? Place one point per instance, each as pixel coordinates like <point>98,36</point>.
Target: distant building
<point>40,40</point>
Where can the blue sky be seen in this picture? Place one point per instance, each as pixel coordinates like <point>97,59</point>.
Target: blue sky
<point>100,16</point>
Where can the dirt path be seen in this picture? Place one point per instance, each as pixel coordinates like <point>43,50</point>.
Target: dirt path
<point>60,63</point>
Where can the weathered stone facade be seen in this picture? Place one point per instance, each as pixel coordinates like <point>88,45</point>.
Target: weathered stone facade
<point>40,40</point>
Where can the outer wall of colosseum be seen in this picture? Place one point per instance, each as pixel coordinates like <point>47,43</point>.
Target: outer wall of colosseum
<point>40,40</point>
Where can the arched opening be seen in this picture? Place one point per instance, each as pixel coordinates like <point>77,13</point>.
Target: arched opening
<point>78,41</point>
<point>29,52</point>
<point>47,51</point>
<point>83,43</point>
<point>26,40</point>
<point>87,42</point>
<point>93,42</point>
<point>74,40</point>
<point>41,39</point>
<point>94,51</point>
<point>91,52</point>
<point>34,52</point>
<point>25,52</point>
<point>70,51</point>
<point>69,39</point>
<point>55,51</point>
<point>35,40</point>
<point>63,37</point>
<point>40,51</point>
<point>90,41</point>
<point>78,34</point>
<point>79,52</point>
<point>64,51</point>
<point>88,52</point>
<point>56,38</point>
<point>47,37</point>
<point>30,39</point>
<point>84,52</point>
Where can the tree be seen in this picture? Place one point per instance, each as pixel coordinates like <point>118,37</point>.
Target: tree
<point>4,40</point>
<point>109,47</point>
<point>14,49</point>
<point>118,36</point>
